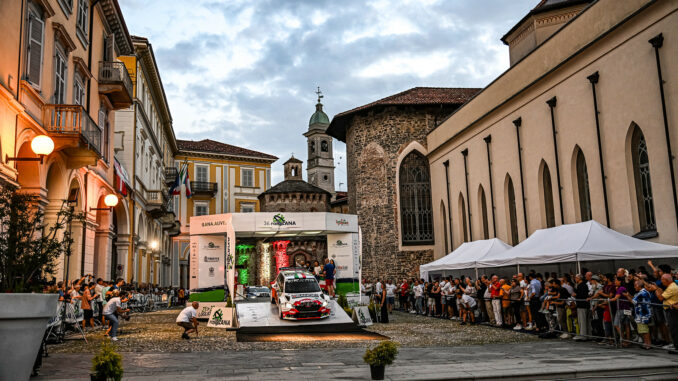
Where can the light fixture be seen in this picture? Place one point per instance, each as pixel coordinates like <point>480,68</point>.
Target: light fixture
<point>42,145</point>
<point>111,200</point>
<point>154,245</point>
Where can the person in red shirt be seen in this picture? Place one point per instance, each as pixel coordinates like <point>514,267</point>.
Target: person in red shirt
<point>404,289</point>
<point>495,293</point>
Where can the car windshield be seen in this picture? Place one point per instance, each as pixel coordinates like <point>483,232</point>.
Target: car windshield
<point>295,286</point>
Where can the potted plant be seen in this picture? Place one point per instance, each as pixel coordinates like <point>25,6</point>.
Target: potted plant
<point>380,356</point>
<point>107,364</point>
<point>28,251</point>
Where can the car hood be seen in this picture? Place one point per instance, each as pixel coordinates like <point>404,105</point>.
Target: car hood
<point>306,296</point>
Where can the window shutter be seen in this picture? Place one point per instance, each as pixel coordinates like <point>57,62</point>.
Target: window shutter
<point>109,47</point>
<point>35,39</point>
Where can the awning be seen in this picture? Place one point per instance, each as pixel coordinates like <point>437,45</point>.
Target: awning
<point>465,256</point>
<point>122,183</point>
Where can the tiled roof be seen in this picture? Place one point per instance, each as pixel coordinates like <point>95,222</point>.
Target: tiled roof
<point>417,96</point>
<point>211,146</point>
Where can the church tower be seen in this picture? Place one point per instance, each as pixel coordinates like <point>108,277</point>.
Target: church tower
<point>320,168</point>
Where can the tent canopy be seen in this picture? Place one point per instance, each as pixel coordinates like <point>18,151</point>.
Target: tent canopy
<point>584,241</point>
<point>465,256</point>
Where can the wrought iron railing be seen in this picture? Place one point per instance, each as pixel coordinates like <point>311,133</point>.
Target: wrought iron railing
<point>203,187</point>
<point>115,72</point>
<point>72,119</point>
<point>171,174</point>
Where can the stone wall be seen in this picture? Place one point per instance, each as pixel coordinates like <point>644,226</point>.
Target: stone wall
<point>374,141</point>
<point>295,202</point>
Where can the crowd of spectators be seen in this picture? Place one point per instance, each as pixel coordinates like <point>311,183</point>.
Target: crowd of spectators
<point>629,307</point>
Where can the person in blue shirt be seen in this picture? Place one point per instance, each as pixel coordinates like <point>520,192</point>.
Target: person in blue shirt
<point>330,270</point>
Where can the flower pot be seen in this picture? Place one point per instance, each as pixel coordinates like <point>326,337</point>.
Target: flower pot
<point>377,371</point>
<point>23,321</point>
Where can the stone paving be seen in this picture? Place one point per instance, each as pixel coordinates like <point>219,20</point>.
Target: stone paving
<point>546,359</point>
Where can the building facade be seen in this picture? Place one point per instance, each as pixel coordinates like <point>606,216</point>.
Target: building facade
<point>145,148</point>
<point>388,178</point>
<point>582,126</point>
<point>223,179</point>
<point>61,77</point>
<point>320,164</point>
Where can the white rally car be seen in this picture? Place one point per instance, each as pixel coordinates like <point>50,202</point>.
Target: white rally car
<point>298,296</point>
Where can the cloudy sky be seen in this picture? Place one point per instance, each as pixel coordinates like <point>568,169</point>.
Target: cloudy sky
<point>245,72</point>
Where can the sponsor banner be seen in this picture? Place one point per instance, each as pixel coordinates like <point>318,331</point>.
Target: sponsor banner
<point>341,222</point>
<point>230,261</point>
<point>361,315</point>
<point>211,249</point>
<point>343,248</point>
<point>280,222</point>
<point>205,309</point>
<point>213,223</point>
<point>220,317</point>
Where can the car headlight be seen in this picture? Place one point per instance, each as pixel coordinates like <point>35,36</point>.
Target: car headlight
<point>288,305</point>
<point>324,303</point>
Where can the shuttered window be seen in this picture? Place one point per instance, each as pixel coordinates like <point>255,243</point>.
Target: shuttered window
<point>60,71</point>
<point>247,177</point>
<point>78,91</point>
<point>83,11</point>
<point>36,29</point>
<point>201,173</point>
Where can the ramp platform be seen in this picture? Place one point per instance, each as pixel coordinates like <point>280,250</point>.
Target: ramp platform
<point>262,317</point>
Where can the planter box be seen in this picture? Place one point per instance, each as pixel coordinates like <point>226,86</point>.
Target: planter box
<point>23,321</point>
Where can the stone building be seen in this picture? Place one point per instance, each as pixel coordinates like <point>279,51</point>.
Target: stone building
<point>583,125</point>
<point>388,177</point>
<point>320,167</point>
<point>294,194</point>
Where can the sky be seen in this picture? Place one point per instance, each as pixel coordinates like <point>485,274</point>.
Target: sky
<point>245,72</point>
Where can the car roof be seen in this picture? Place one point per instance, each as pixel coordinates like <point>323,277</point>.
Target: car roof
<point>293,274</point>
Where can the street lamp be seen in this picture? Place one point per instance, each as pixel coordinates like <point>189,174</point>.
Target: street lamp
<point>111,200</point>
<point>154,245</point>
<point>42,145</point>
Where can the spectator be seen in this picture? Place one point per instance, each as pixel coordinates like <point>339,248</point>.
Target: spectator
<point>515,296</point>
<point>669,297</point>
<point>383,302</point>
<point>188,320</point>
<point>404,290</point>
<point>467,307</point>
<point>419,297</point>
<point>390,295</point>
<point>89,295</point>
<point>583,308</point>
<point>643,312</point>
<point>329,271</point>
<point>495,294</point>
<point>534,292</point>
<point>622,318</point>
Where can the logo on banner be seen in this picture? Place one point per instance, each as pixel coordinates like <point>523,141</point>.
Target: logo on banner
<point>341,222</point>
<point>340,243</point>
<point>219,318</point>
<point>213,223</point>
<point>211,259</point>
<point>211,271</point>
<point>204,312</point>
<point>279,220</point>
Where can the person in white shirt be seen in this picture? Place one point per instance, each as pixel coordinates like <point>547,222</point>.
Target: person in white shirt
<point>390,294</point>
<point>447,290</point>
<point>111,310</point>
<point>419,297</point>
<point>467,305</point>
<point>188,320</point>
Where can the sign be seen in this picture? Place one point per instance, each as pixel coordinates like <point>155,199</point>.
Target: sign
<point>205,309</point>
<point>229,281</point>
<point>361,315</point>
<point>343,249</point>
<point>210,258</point>
<point>221,317</point>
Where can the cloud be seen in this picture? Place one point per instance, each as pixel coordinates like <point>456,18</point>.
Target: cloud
<point>245,72</point>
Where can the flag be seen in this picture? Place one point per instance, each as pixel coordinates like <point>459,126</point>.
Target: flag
<point>187,183</point>
<point>175,188</point>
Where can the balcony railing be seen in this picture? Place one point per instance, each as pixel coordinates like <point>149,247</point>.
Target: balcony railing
<point>113,72</point>
<point>171,174</point>
<point>203,187</point>
<point>72,120</point>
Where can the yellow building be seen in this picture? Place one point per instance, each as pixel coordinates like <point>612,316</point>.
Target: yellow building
<point>60,77</point>
<point>223,179</point>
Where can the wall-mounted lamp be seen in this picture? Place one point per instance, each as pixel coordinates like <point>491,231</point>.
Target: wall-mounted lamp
<point>42,145</point>
<point>110,201</point>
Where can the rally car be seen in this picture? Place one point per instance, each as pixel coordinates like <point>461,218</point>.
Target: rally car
<point>298,296</point>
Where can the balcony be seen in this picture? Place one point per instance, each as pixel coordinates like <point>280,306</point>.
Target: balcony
<point>203,188</point>
<point>73,132</point>
<point>171,174</point>
<point>115,83</point>
<point>157,203</point>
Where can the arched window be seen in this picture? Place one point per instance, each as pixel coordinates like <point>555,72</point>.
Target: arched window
<point>462,217</point>
<point>583,187</point>
<point>415,200</point>
<point>483,212</point>
<point>511,206</point>
<point>547,196</point>
<point>641,173</point>
<point>444,218</point>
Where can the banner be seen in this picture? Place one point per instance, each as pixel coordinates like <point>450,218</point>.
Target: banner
<point>343,248</point>
<point>211,261</point>
<point>361,315</point>
<point>230,261</point>
<point>221,317</point>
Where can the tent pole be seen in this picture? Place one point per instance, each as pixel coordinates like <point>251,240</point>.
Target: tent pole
<point>476,273</point>
<point>578,264</point>
<point>517,268</point>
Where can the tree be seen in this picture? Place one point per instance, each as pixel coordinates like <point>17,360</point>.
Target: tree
<point>29,247</point>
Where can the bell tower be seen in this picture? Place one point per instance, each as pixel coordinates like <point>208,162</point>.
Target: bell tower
<point>320,167</point>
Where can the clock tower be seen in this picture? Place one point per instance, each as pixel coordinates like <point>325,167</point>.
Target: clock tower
<point>320,167</point>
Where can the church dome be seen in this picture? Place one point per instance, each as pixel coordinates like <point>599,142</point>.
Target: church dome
<point>319,116</point>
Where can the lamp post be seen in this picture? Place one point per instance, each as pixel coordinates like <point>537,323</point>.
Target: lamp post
<point>111,200</point>
<point>41,145</point>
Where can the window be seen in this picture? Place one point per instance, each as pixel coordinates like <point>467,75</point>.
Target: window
<point>201,209</point>
<point>60,72</point>
<point>583,187</point>
<point>483,212</point>
<point>415,200</point>
<point>79,91</point>
<point>247,177</point>
<point>66,6</point>
<point>641,173</point>
<point>247,208</point>
<point>547,194</point>
<point>443,215</point>
<point>83,12</point>
<point>36,29</point>
<point>201,173</point>
<point>513,218</point>
<point>462,217</point>
<point>324,146</point>
<point>103,126</point>
<point>312,147</point>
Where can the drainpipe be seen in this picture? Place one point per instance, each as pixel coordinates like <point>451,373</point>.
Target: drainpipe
<point>468,202</point>
<point>519,122</point>
<point>657,43</point>
<point>449,210</point>
<point>18,75</point>
<point>593,78</point>
<point>552,104</point>
<point>488,140</point>
<point>84,227</point>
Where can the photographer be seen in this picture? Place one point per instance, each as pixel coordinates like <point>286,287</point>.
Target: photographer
<point>188,320</point>
<point>112,311</point>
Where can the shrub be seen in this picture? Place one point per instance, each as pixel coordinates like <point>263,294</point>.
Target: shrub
<point>107,364</point>
<point>382,354</point>
<point>342,301</point>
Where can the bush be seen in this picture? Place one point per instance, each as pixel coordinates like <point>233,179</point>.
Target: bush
<point>382,354</point>
<point>342,301</point>
<point>107,364</point>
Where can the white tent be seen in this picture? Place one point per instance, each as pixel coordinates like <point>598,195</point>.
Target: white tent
<point>584,241</point>
<point>465,256</point>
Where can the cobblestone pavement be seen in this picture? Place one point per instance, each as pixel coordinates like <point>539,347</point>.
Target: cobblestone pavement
<point>157,332</point>
<point>544,359</point>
